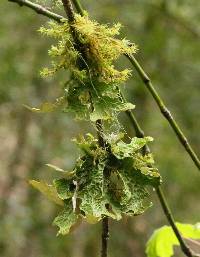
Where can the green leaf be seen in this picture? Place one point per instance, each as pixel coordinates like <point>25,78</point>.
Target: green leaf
<point>145,170</point>
<point>93,200</point>
<point>87,144</point>
<point>106,108</point>
<point>105,182</point>
<point>93,102</point>
<point>127,194</point>
<point>48,190</point>
<point>104,89</point>
<point>65,188</point>
<point>66,219</point>
<point>140,167</point>
<point>79,107</point>
<point>162,241</point>
<point>91,219</point>
<point>122,150</point>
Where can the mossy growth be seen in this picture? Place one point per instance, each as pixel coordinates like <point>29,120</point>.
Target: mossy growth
<point>102,47</point>
<point>93,90</point>
<point>109,180</point>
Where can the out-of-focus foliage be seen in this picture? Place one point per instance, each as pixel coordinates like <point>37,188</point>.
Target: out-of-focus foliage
<point>168,38</point>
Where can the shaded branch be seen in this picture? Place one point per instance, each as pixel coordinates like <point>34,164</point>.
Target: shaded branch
<point>164,110</point>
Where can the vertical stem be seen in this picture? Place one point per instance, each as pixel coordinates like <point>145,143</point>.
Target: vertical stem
<point>99,127</point>
<point>78,7</point>
<point>69,10</point>
<point>105,223</point>
<point>105,237</point>
<point>70,13</point>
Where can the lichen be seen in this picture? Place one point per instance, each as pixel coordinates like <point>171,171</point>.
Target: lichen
<point>103,48</point>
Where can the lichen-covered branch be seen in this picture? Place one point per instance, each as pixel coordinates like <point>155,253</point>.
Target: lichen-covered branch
<point>105,225</point>
<point>116,150</point>
<point>165,207</point>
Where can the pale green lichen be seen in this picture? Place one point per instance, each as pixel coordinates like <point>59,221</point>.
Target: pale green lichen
<point>105,177</point>
<point>106,181</point>
<point>104,48</point>
<point>93,92</point>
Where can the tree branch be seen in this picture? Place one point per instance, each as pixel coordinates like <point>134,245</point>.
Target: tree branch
<point>38,9</point>
<point>69,10</point>
<point>165,112</point>
<point>140,133</point>
<point>172,223</point>
<point>78,7</point>
<point>105,226</point>
<point>104,237</point>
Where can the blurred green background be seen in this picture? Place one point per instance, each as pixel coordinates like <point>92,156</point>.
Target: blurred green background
<point>167,33</point>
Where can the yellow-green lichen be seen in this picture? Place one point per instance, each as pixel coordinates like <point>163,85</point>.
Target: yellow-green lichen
<point>102,49</point>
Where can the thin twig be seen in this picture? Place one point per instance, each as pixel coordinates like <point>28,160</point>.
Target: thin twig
<point>164,110</point>
<point>140,133</point>
<point>78,7</point>
<point>105,237</point>
<point>171,221</point>
<point>105,220</point>
<point>38,9</point>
